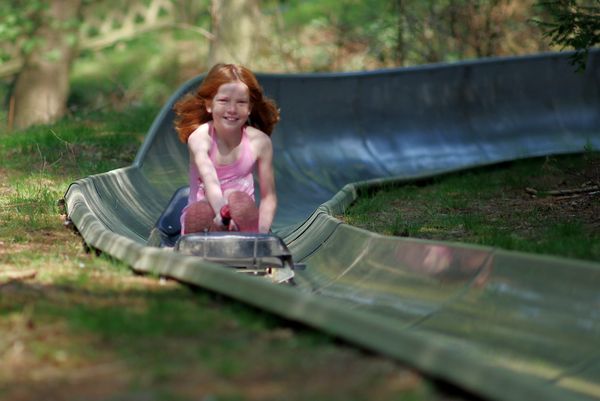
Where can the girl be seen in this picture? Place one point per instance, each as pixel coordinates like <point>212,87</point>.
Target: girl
<point>227,125</point>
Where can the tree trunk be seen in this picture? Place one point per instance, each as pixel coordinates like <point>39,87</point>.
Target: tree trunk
<point>42,86</point>
<point>235,26</point>
<point>400,11</point>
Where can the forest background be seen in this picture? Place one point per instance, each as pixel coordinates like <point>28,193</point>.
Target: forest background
<point>95,74</point>
<point>45,45</point>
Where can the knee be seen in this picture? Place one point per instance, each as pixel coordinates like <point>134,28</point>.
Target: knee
<point>243,211</point>
<point>240,198</point>
<point>199,209</point>
<point>197,217</point>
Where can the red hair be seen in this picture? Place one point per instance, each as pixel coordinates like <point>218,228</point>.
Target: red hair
<point>191,109</point>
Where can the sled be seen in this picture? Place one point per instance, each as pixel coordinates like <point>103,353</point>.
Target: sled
<point>257,254</point>
<point>263,255</point>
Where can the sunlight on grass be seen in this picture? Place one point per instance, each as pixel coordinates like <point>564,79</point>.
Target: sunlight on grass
<point>88,320</point>
<point>73,148</point>
<point>489,206</point>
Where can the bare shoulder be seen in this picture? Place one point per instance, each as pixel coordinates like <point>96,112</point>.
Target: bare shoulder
<point>255,133</point>
<point>259,141</point>
<point>200,138</point>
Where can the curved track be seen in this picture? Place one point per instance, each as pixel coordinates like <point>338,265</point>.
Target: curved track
<point>504,325</point>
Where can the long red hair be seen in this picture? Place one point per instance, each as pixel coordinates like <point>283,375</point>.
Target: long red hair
<point>191,109</point>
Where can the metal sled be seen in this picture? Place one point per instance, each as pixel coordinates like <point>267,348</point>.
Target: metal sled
<point>259,254</point>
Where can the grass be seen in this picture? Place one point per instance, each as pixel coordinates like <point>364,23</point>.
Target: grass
<point>75,325</point>
<point>85,327</point>
<point>490,206</point>
<point>40,163</point>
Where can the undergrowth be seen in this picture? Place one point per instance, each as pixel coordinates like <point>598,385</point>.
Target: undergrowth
<point>515,206</point>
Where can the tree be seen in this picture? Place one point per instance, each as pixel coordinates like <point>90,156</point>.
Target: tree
<point>42,86</point>
<point>574,24</point>
<point>235,29</point>
<point>357,34</point>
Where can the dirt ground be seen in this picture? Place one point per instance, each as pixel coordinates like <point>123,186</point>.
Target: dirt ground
<point>46,275</point>
<point>39,361</point>
<point>556,193</point>
<point>43,357</point>
<point>573,192</point>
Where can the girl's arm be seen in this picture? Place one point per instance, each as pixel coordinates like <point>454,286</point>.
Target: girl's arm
<point>199,145</point>
<point>266,180</point>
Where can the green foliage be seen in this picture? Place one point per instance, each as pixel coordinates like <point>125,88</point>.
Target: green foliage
<point>573,24</point>
<point>144,70</point>
<point>489,206</point>
<point>44,160</point>
<point>18,21</point>
<point>372,24</point>
<point>84,311</point>
<point>382,33</point>
<point>105,141</point>
<point>324,35</point>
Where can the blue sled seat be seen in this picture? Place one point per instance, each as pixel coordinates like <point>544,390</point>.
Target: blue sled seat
<point>167,229</point>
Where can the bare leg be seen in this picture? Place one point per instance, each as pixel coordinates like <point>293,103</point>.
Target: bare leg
<point>198,218</point>
<point>243,211</point>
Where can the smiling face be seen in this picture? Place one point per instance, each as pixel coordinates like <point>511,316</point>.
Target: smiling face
<point>230,107</point>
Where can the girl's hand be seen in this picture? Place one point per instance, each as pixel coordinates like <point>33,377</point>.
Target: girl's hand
<point>218,224</point>
<point>226,220</point>
<point>233,226</point>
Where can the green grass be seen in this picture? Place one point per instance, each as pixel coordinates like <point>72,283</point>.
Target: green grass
<point>102,141</point>
<point>87,328</point>
<point>489,206</point>
<point>39,163</point>
<point>83,311</point>
<point>87,323</point>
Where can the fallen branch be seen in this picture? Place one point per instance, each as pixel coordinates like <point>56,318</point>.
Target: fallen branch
<point>562,192</point>
<point>572,191</point>
<point>17,275</point>
<point>531,191</point>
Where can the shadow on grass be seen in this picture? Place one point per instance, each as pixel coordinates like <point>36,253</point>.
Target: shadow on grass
<point>170,342</point>
<point>76,147</point>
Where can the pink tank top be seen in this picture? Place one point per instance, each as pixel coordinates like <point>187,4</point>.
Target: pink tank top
<point>236,176</point>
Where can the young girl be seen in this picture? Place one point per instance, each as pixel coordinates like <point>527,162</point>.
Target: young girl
<point>227,125</point>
